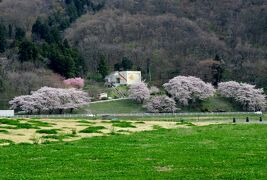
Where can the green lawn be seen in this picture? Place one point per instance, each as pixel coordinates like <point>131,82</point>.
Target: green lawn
<point>213,104</point>
<point>121,106</point>
<point>211,152</point>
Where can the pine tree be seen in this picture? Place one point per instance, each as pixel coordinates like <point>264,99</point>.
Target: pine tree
<point>103,67</point>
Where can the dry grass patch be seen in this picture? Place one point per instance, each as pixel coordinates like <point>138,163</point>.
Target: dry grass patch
<point>43,130</point>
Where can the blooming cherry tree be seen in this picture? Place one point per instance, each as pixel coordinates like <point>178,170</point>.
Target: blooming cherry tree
<point>50,99</point>
<point>75,82</point>
<point>251,98</point>
<point>187,90</point>
<point>139,92</point>
<point>160,104</point>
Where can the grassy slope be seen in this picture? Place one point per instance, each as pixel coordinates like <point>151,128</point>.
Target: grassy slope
<point>218,151</point>
<point>213,104</point>
<point>122,106</point>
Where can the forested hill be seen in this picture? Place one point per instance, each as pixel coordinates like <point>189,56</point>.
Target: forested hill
<point>176,35</point>
<point>221,39</point>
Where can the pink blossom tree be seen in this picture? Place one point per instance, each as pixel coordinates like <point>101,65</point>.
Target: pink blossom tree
<point>139,92</point>
<point>75,82</point>
<point>189,89</point>
<point>247,95</point>
<point>160,104</point>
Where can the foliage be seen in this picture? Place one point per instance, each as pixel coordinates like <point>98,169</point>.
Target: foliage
<point>187,90</point>
<point>103,67</point>
<point>93,129</point>
<point>211,70</point>
<point>28,51</point>
<point>126,65</point>
<point>161,104</point>
<point>139,92</point>
<point>19,34</point>
<point>50,99</point>
<point>47,131</point>
<point>3,38</point>
<point>251,98</point>
<point>64,59</point>
<point>75,82</point>
<point>176,36</point>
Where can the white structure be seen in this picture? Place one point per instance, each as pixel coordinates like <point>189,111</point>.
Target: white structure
<point>103,96</point>
<point>124,78</point>
<point>7,113</point>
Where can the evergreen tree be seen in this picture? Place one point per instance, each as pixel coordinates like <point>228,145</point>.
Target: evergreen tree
<point>103,67</point>
<point>20,33</point>
<point>117,67</point>
<point>10,31</point>
<point>217,69</point>
<point>3,36</point>
<point>28,51</point>
<point>126,64</point>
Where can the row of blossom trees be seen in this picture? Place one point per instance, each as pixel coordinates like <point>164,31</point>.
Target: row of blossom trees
<point>49,99</point>
<point>251,98</point>
<point>187,90</point>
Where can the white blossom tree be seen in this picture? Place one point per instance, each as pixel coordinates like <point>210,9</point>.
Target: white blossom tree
<point>160,104</point>
<point>50,99</point>
<point>139,92</point>
<point>247,95</point>
<point>189,89</point>
<point>228,89</point>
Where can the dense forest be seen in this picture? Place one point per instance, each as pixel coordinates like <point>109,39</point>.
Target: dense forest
<point>45,41</point>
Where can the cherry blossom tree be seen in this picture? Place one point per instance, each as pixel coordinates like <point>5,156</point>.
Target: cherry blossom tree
<point>229,89</point>
<point>187,90</point>
<point>75,82</point>
<point>161,104</point>
<point>139,92</point>
<point>50,99</point>
<point>247,95</point>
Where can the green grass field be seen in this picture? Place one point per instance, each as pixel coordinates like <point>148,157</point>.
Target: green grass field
<point>209,152</point>
<point>213,104</point>
<point>121,106</point>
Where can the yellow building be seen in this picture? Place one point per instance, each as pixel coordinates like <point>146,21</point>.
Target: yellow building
<point>124,78</point>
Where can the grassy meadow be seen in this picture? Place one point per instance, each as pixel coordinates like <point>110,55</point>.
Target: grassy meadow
<point>220,151</point>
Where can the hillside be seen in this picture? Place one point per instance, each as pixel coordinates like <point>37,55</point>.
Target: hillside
<point>166,38</point>
<point>23,13</point>
<point>177,35</point>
